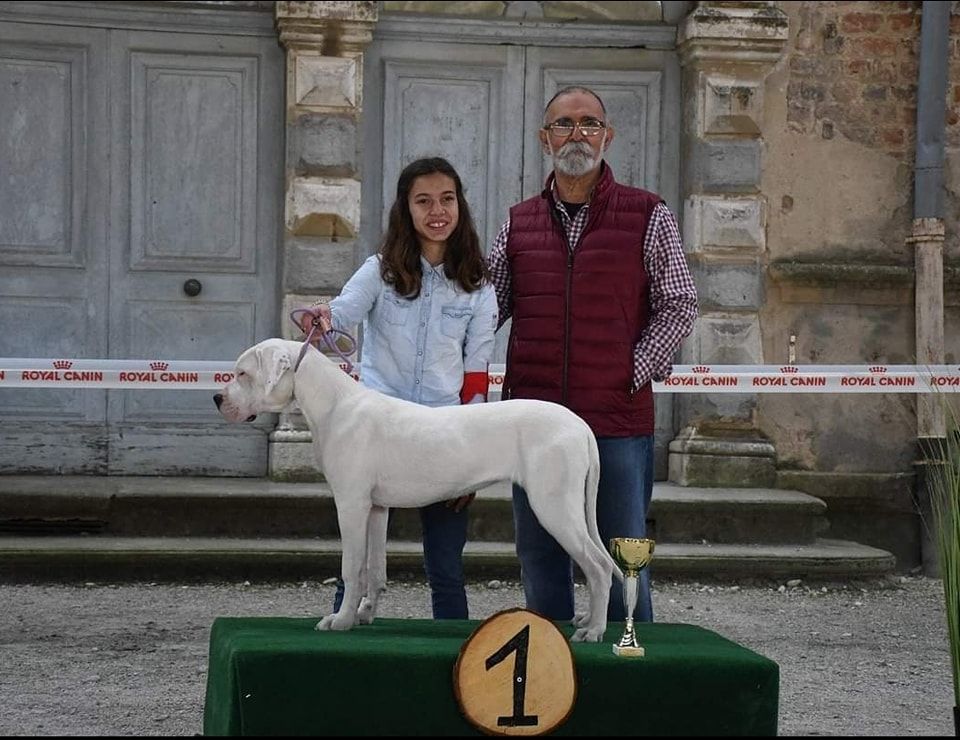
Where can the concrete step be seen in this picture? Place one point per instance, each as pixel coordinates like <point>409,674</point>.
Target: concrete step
<point>244,507</point>
<point>89,528</point>
<point>118,559</point>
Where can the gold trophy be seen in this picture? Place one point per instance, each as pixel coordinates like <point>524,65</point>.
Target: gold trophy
<point>632,555</point>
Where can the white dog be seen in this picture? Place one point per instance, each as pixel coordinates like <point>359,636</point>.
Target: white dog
<point>377,452</point>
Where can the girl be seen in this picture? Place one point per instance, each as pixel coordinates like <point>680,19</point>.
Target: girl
<point>429,314</point>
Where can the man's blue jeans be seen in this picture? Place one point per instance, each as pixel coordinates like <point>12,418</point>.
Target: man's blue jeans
<point>444,535</point>
<point>626,486</point>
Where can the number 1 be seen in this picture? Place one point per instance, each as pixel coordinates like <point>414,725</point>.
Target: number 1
<point>520,642</point>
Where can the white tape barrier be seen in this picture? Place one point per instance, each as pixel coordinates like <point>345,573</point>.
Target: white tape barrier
<point>202,375</point>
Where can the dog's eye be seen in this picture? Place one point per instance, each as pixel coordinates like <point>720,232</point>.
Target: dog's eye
<point>240,373</point>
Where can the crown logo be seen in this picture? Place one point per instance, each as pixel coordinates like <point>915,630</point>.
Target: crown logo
<point>878,369</point>
<point>789,369</point>
<point>159,365</point>
<point>700,369</point>
<point>62,364</point>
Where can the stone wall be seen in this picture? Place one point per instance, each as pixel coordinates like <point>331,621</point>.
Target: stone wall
<point>838,173</point>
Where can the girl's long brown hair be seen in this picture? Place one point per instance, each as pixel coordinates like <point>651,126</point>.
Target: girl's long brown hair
<point>400,252</point>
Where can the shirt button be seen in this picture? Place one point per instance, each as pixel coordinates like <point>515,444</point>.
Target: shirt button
<point>419,354</point>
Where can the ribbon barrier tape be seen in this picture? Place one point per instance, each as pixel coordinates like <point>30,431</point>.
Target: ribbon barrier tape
<point>210,375</point>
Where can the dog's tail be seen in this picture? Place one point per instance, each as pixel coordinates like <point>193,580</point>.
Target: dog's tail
<point>592,485</point>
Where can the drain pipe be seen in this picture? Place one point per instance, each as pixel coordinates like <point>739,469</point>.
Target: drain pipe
<point>927,239</point>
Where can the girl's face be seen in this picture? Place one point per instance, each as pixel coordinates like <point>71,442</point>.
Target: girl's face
<point>433,208</point>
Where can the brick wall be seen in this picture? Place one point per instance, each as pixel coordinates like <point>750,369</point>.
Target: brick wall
<point>853,73</point>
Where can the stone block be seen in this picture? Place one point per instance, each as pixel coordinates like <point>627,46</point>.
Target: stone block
<point>703,460</point>
<point>719,408</point>
<point>292,460</point>
<point>721,471</point>
<point>317,265</point>
<point>322,145</point>
<point>725,226</point>
<point>330,84</point>
<point>729,105</point>
<point>352,10</point>
<point>728,339</point>
<point>323,206</point>
<point>721,286</point>
<point>725,166</point>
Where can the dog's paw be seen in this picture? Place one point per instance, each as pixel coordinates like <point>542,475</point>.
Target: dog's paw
<point>337,621</point>
<point>587,634</point>
<point>366,611</point>
<point>324,624</point>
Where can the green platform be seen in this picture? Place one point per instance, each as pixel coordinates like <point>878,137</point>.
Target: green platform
<point>278,676</point>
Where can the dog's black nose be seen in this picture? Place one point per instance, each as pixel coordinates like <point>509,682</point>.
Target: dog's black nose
<point>218,399</point>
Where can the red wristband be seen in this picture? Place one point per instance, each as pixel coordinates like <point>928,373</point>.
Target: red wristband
<point>474,383</point>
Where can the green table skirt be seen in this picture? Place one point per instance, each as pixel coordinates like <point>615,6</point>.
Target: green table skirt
<point>279,676</point>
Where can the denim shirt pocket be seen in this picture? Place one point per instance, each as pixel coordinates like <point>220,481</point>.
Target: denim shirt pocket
<point>395,309</point>
<point>454,320</point>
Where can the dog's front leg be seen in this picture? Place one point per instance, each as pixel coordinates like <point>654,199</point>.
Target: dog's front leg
<point>376,570</point>
<point>353,518</point>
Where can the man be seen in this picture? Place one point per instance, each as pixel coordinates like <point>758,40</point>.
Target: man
<point>593,274</point>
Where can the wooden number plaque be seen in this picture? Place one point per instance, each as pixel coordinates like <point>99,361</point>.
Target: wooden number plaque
<point>515,676</point>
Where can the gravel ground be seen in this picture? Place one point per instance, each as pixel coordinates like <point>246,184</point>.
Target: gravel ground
<point>864,658</point>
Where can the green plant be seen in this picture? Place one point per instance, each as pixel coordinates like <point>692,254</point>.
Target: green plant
<point>943,489</point>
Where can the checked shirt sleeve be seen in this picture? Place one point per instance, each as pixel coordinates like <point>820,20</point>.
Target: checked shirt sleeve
<point>499,267</point>
<point>673,299</point>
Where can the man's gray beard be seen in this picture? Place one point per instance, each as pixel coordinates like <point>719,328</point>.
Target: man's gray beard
<point>575,158</point>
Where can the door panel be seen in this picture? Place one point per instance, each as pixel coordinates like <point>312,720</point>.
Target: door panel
<point>193,183</point>
<point>52,231</point>
<point>197,159</point>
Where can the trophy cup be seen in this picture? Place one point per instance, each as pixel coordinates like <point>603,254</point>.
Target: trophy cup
<point>632,555</point>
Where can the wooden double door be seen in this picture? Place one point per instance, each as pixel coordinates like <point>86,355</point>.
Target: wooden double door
<point>140,202</point>
<point>480,106</point>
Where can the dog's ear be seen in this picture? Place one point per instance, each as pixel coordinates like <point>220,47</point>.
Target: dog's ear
<point>274,362</point>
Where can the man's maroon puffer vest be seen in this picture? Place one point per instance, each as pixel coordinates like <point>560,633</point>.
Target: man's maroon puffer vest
<point>577,315</point>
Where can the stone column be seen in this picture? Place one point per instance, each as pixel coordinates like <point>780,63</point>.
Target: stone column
<point>324,42</point>
<point>927,237</point>
<point>727,49</point>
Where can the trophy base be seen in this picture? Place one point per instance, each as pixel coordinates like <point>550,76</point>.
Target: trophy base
<point>628,651</point>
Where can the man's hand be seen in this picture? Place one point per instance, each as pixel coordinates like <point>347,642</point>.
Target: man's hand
<point>461,503</point>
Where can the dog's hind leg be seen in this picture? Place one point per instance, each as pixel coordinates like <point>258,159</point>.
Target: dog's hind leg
<point>567,524</point>
<point>353,515</point>
<point>376,570</point>
<point>598,572</point>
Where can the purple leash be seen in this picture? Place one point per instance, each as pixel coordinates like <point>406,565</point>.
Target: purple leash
<point>327,337</point>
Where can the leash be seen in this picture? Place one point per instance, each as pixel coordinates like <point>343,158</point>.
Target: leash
<point>327,337</point>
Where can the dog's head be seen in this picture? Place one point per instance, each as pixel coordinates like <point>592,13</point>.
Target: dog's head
<point>262,382</point>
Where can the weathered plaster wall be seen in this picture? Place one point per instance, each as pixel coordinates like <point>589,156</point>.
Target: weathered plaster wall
<point>838,174</point>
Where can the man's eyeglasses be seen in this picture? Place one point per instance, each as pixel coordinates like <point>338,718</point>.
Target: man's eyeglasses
<point>565,127</point>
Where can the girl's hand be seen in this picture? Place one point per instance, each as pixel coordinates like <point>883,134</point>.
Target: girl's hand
<point>319,311</point>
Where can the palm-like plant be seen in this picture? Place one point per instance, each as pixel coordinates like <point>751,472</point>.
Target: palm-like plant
<point>943,488</point>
